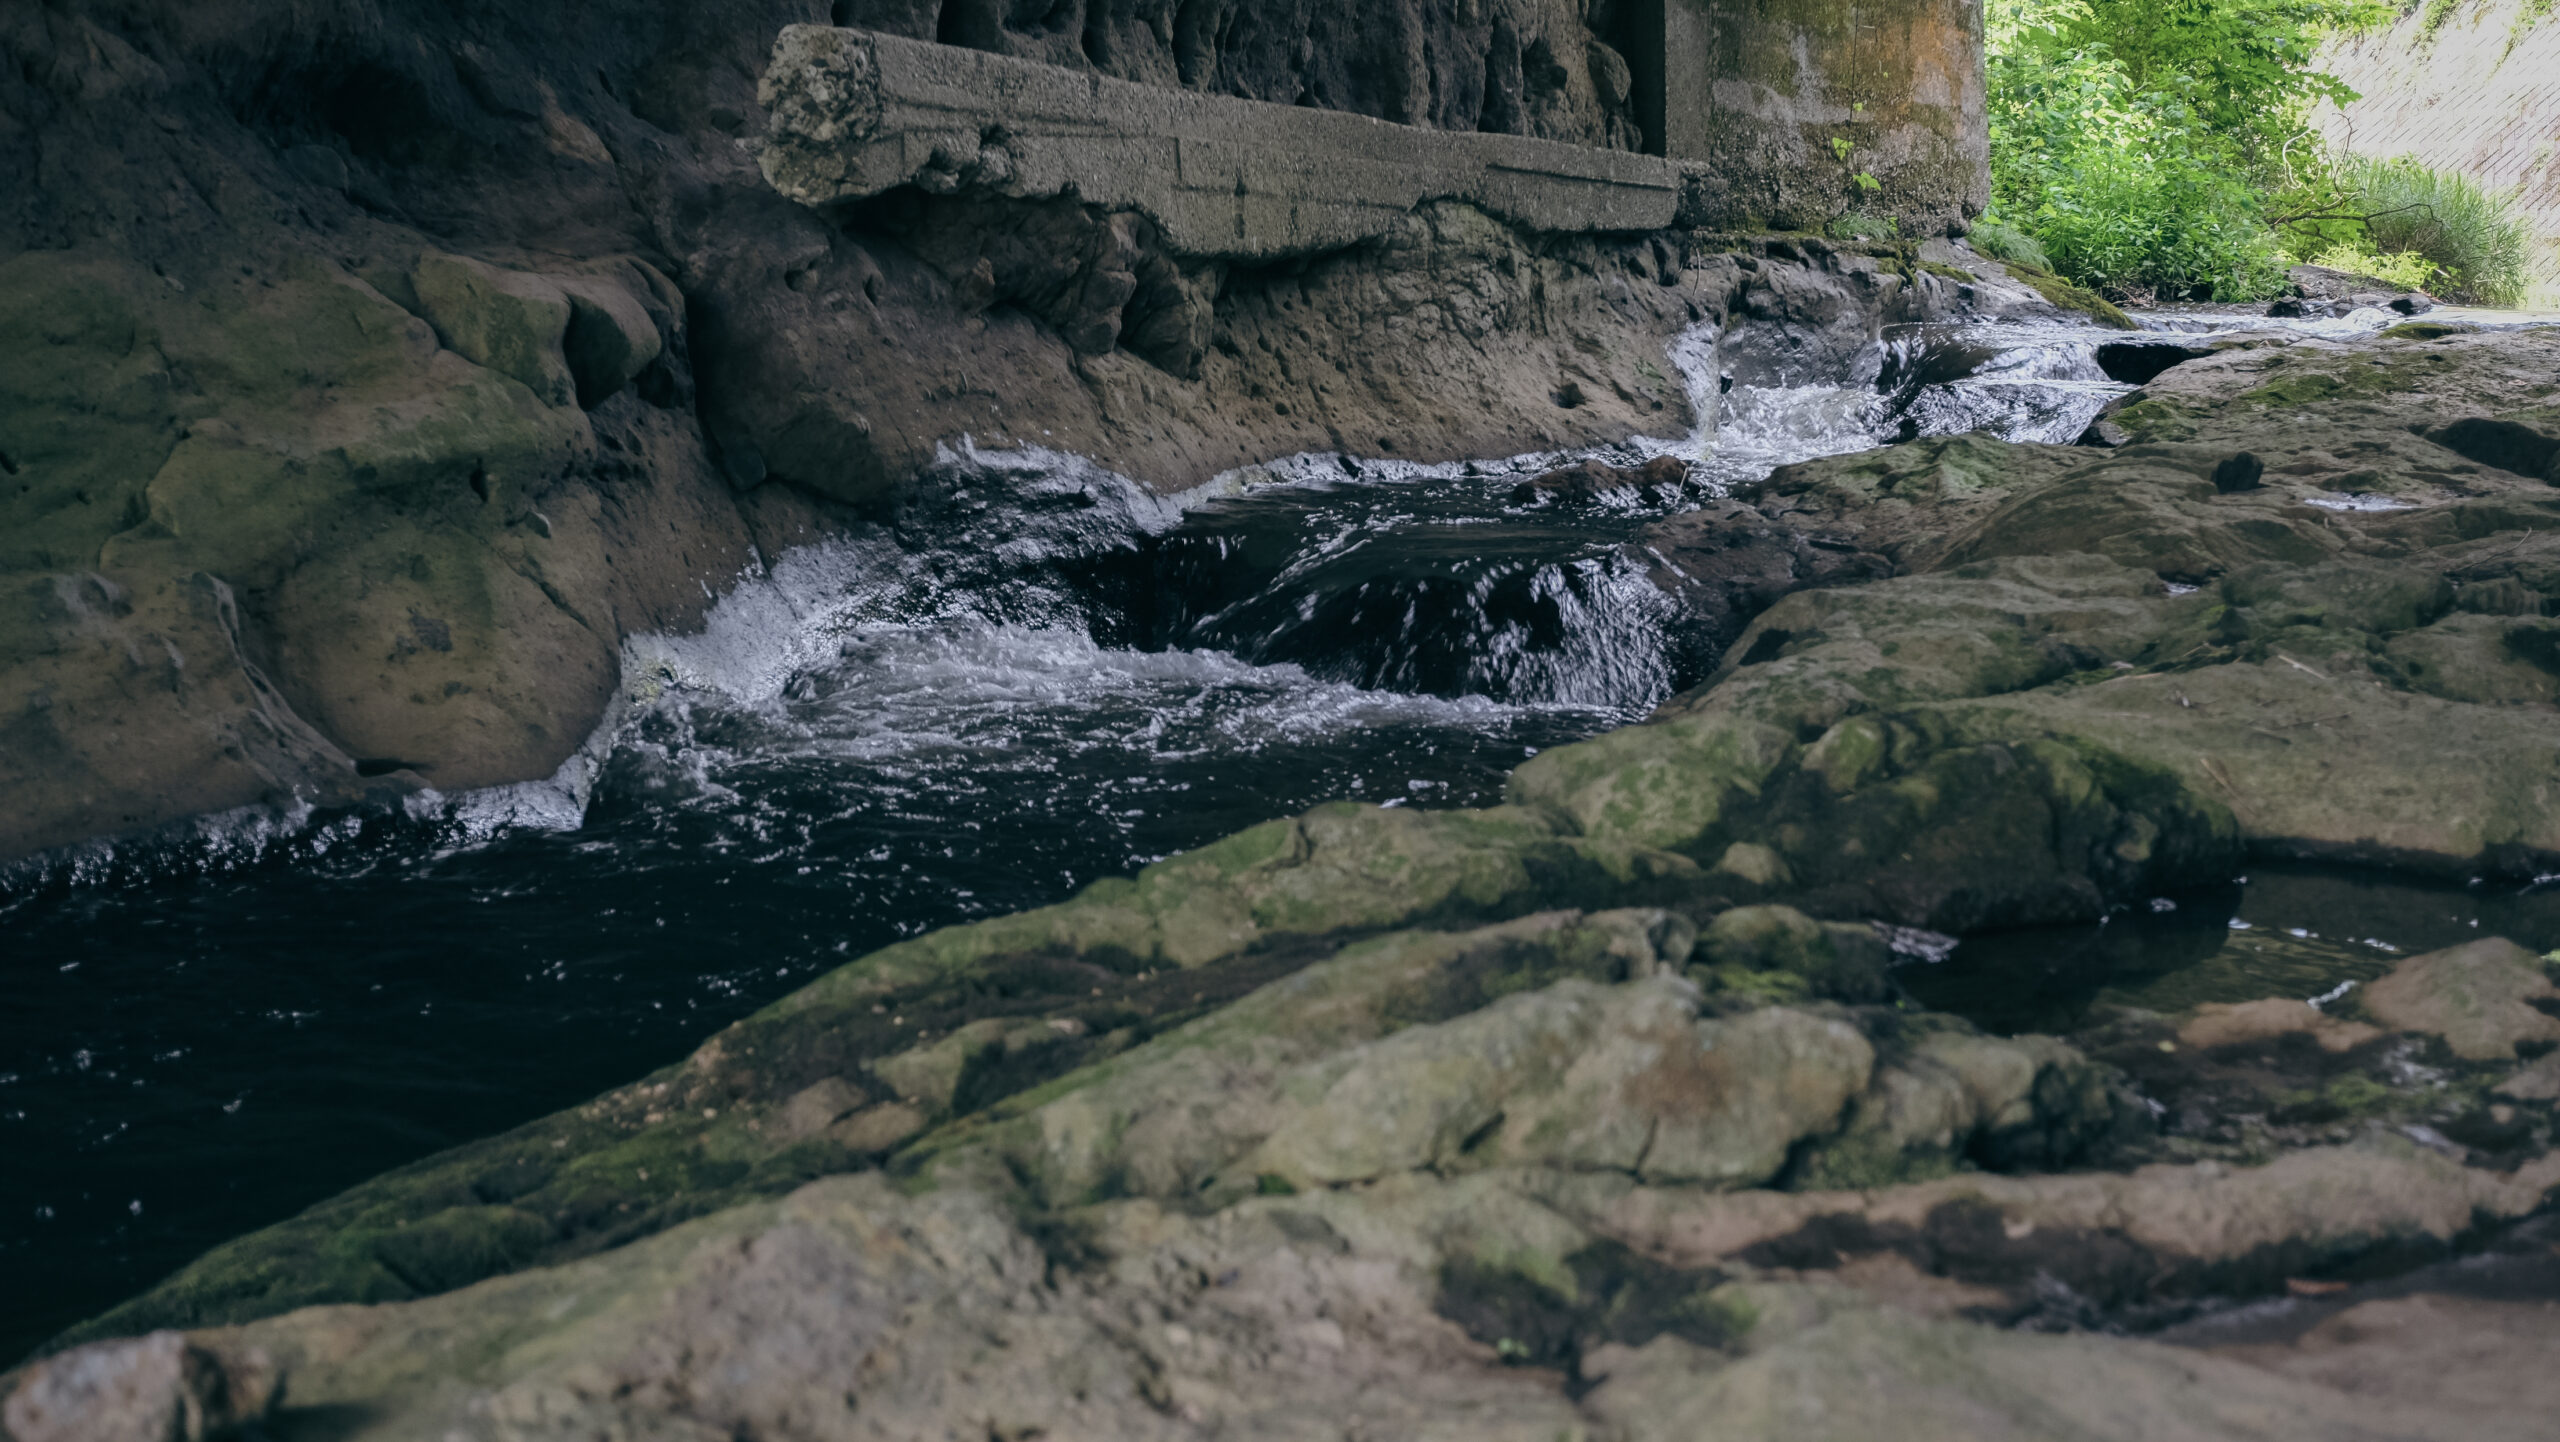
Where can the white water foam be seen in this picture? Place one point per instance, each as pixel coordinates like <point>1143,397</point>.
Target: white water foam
<point>995,517</point>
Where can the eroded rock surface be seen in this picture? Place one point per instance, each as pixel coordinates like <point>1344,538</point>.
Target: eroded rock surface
<point>1597,1114</point>
<point>363,386</point>
<point>1588,1108</point>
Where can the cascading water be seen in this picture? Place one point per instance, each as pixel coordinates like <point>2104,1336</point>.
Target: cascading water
<point>1033,676</point>
<point>1955,379</point>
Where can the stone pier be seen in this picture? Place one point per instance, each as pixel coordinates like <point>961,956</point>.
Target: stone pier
<point>1795,112</point>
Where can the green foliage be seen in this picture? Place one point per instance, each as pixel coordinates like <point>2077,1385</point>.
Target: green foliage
<point>2476,237</point>
<point>2130,225</point>
<point>2406,270</point>
<point>1858,225</point>
<point>2003,241</point>
<point>2136,140</point>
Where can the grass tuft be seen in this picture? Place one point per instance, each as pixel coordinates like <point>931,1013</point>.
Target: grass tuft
<point>2002,241</point>
<point>2477,238</point>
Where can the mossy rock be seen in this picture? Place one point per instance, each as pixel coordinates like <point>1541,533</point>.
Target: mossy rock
<point>1750,947</point>
<point>2426,330</point>
<point>2064,294</point>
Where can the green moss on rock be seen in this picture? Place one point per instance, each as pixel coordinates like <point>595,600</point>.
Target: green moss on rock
<point>2063,293</point>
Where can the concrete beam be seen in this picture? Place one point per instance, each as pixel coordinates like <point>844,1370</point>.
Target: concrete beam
<point>852,114</point>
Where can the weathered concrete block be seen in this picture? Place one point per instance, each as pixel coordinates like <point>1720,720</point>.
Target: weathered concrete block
<point>854,115</point>
<point>1785,104</point>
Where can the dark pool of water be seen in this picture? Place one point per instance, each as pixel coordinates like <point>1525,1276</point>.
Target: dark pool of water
<point>192,1059</point>
<point>2282,930</point>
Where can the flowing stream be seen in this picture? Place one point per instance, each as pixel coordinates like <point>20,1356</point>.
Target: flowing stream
<point>1031,677</point>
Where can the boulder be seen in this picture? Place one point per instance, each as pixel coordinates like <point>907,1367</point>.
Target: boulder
<point>511,321</point>
<point>1755,949</point>
<point>2484,999</point>
<point>610,338</point>
<point>164,1387</point>
<point>2220,1024</point>
<point>2539,1082</point>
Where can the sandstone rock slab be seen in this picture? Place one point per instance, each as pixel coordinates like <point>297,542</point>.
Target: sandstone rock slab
<point>163,1387</point>
<point>2480,998</point>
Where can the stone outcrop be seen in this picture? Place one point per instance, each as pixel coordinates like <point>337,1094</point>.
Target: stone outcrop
<point>2324,691</point>
<point>1441,1181</point>
<point>854,1307</point>
<point>367,381</point>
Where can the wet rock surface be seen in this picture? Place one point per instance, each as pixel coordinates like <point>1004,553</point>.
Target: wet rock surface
<point>1600,1109</point>
<point>1605,1112</point>
<point>377,381</point>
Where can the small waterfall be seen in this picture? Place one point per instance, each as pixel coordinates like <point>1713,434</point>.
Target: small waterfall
<point>1947,381</point>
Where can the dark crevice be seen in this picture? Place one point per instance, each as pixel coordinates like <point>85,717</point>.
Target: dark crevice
<point>1620,1296</point>
<point>2505,445</point>
<point>2137,363</point>
<point>972,24</point>
<point>1195,42</point>
<point>382,114</point>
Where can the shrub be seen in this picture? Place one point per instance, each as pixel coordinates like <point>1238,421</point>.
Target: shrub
<point>2477,237</point>
<point>2131,226</point>
<point>2405,269</point>
<point>2136,139</point>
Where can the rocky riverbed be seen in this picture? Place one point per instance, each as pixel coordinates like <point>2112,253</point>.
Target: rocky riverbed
<point>404,405</point>
<point>1606,1112</point>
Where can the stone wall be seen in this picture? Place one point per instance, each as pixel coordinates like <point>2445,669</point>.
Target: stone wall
<point>1785,103</point>
<point>2480,94</point>
<point>853,114</point>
